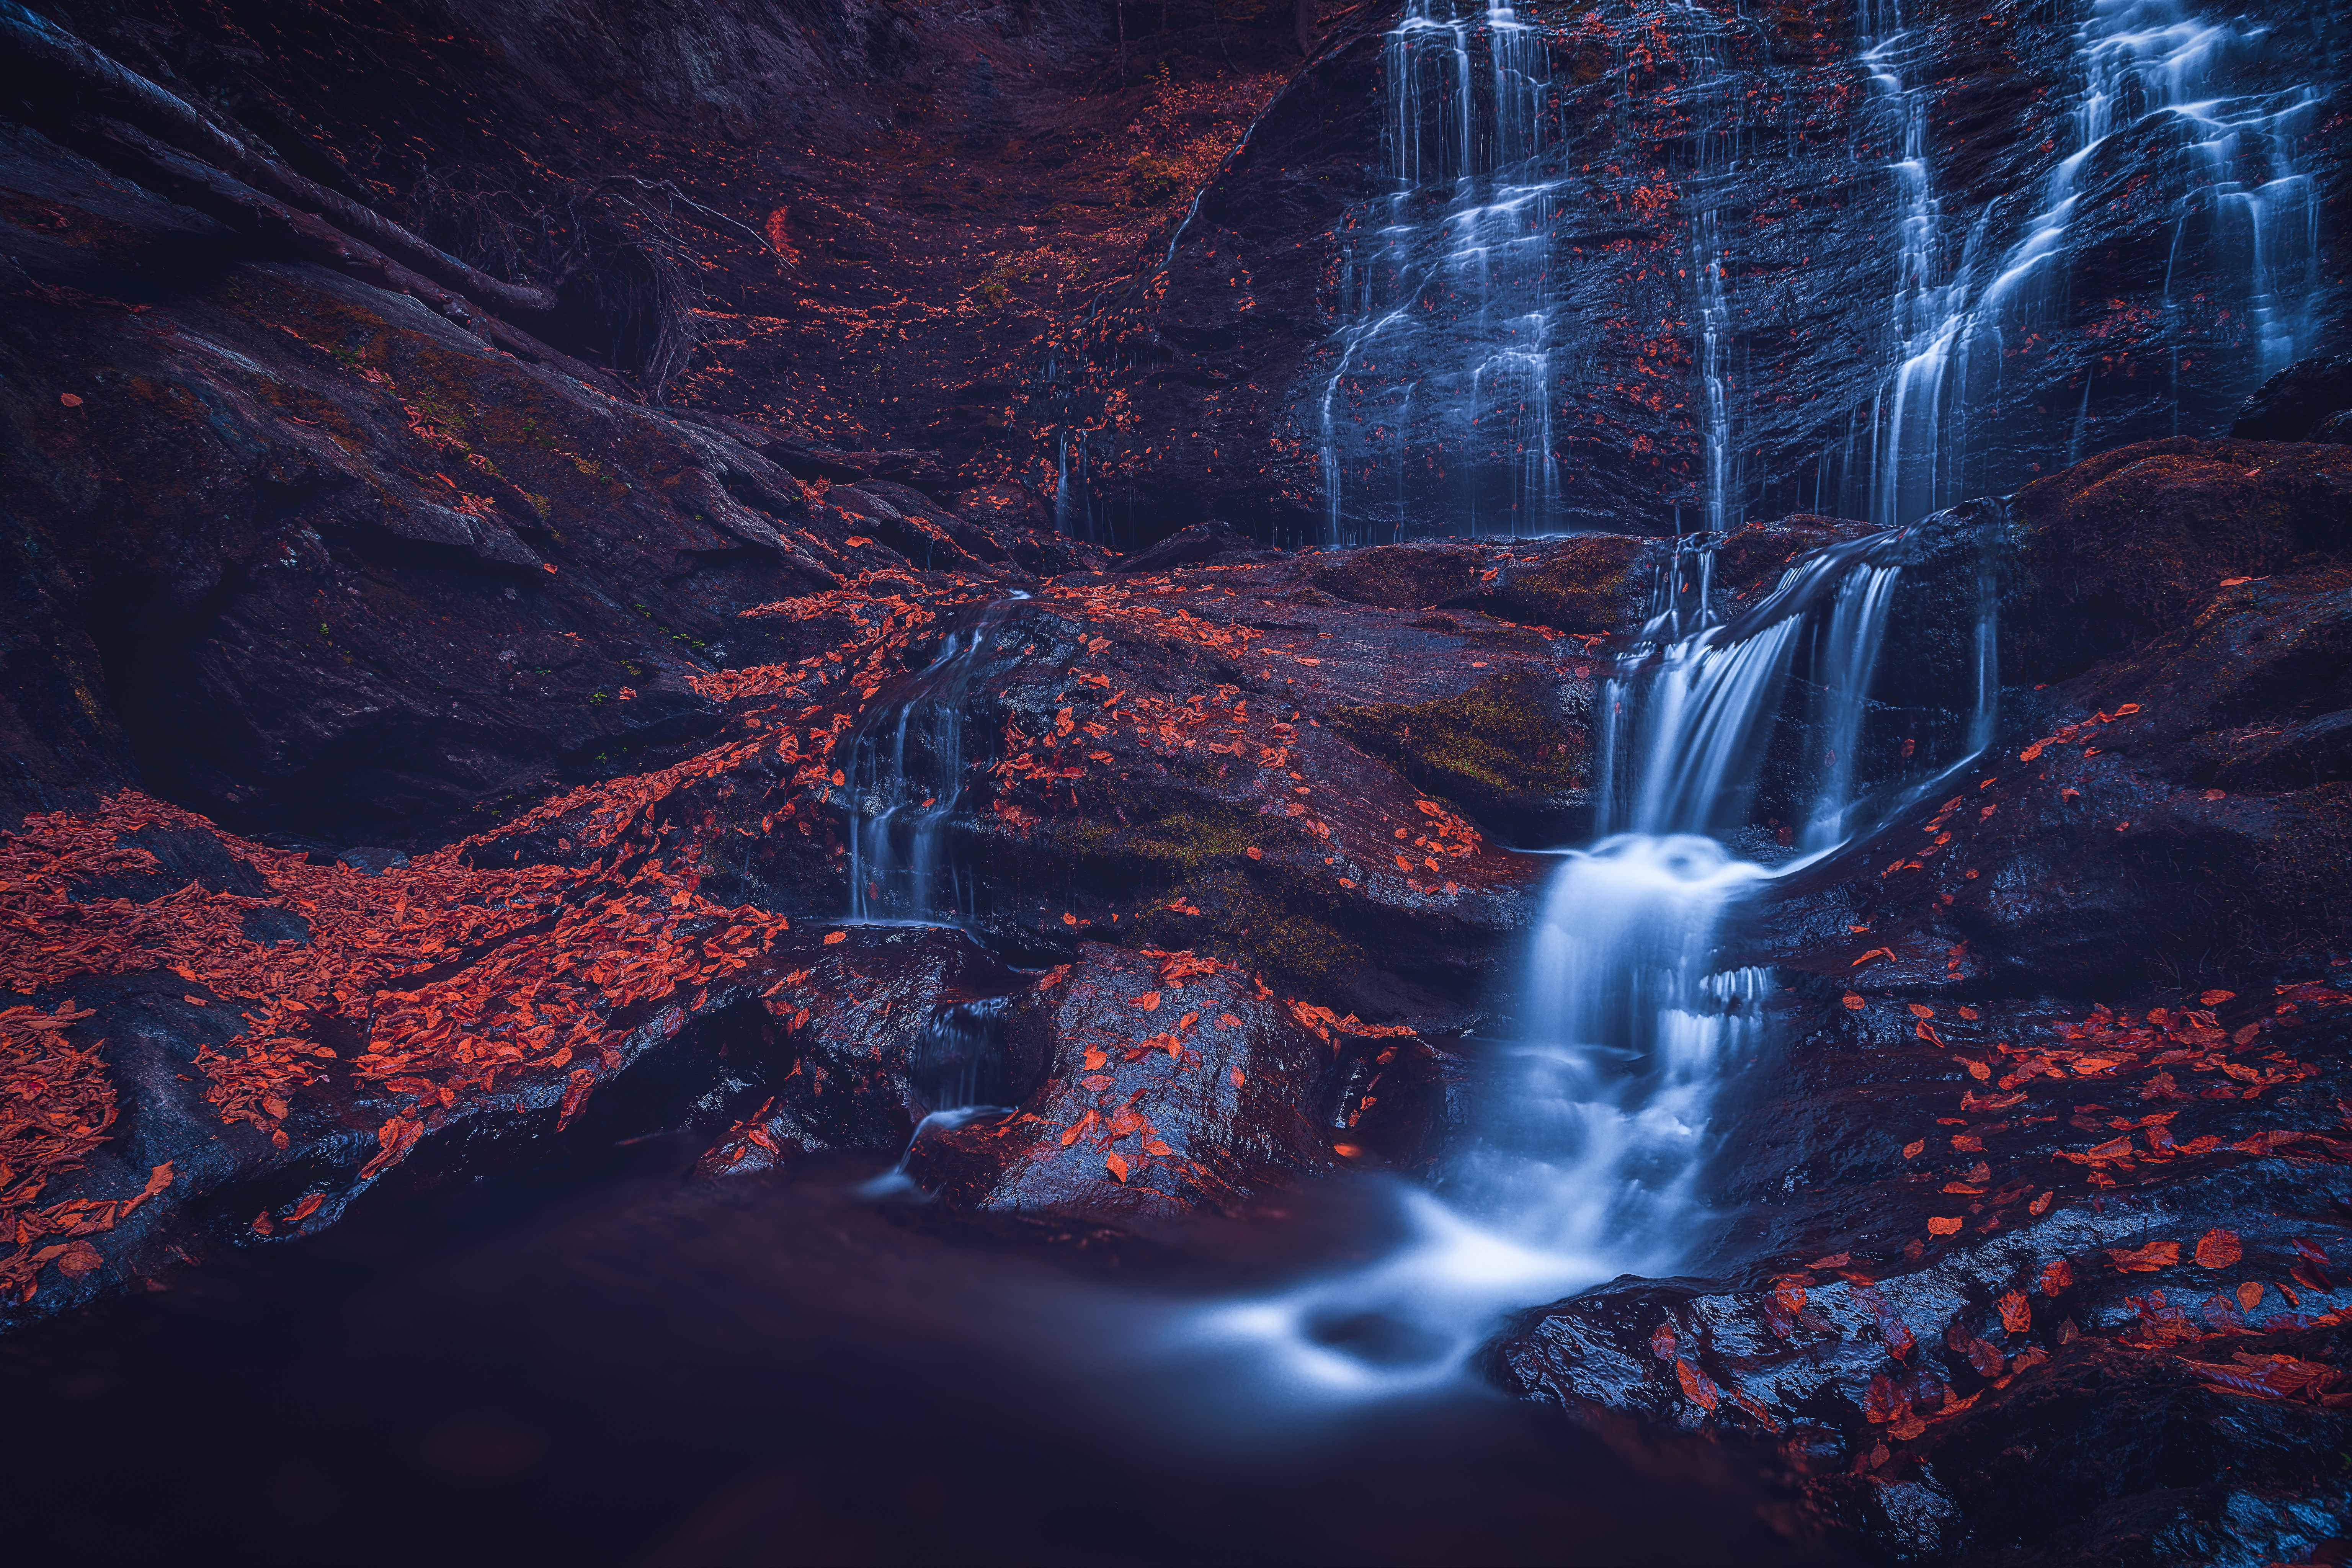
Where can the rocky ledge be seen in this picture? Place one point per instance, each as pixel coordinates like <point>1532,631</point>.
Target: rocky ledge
<point>1210,874</point>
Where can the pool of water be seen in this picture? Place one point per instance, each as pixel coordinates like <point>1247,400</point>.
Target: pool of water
<point>618,1366</point>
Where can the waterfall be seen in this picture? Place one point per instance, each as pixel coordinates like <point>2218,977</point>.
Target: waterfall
<point>2154,70</point>
<point>1591,1140</point>
<point>907,776</point>
<point>1444,381</point>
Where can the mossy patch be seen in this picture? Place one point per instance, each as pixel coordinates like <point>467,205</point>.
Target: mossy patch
<point>1595,584</point>
<point>1493,748</point>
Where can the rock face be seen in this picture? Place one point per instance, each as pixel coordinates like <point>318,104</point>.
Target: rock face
<point>1823,261</point>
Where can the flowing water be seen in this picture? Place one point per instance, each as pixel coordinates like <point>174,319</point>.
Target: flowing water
<point>2186,95</point>
<point>1588,1153</point>
<point>911,766</point>
<point>1446,362</point>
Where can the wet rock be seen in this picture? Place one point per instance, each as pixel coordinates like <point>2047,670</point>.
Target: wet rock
<point>2296,403</point>
<point>1173,1084</point>
<point>2133,541</point>
<point>1197,545</point>
<point>312,558</point>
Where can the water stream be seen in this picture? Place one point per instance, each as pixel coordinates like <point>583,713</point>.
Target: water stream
<point>1444,371</point>
<point>1590,1147</point>
<point>2186,95</point>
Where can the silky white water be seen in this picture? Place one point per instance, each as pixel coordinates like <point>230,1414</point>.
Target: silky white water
<point>1587,1152</point>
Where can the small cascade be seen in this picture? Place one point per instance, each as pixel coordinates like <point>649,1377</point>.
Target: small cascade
<point>1442,389</point>
<point>1591,1138</point>
<point>960,1076</point>
<point>909,770</point>
<point>1688,717</point>
<point>2152,71</point>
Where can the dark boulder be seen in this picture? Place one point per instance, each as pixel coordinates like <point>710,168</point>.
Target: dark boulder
<point>2296,403</point>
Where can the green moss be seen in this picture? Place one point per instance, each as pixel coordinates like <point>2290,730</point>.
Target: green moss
<point>1494,744</point>
<point>1299,952</point>
<point>1589,586</point>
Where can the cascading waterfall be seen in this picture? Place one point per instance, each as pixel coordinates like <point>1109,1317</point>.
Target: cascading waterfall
<point>2153,70</point>
<point>1588,1154</point>
<point>907,776</point>
<point>1444,381</point>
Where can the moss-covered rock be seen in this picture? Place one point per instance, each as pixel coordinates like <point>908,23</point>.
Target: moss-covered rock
<point>1512,748</point>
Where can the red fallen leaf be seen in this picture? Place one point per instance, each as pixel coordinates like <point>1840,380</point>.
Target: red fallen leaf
<point>1116,1164</point>
<point>1663,1344</point>
<point>1097,1083</point>
<point>1970,1013</point>
<point>2016,1311</point>
<point>262,1224</point>
<point>1254,853</point>
<point>2215,998</point>
<point>1854,1001</point>
<point>1229,1021</point>
<point>1968,1143</point>
<point>1921,1010</point>
<point>1938,1226</point>
<point>1873,952</point>
<point>1077,1129</point>
<point>1834,1260</point>
<point>1884,1402</point>
<point>2218,1249</point>
<point>1914,1149</point>
<point>1148,1001</point>
<point>1981,1355</point>
<point>1239,1078</point>
<point>839,778</point>
<point>73,401</point>
<point>2041,1205</point>
<point>1095,1058</point>
<point>1892,1329</point>
<point>78,1259</point>
<point>2250,1295</point>
<point>305,1209</point>
<point>1158,1148</point>
<point>1697,1386</point>
<point>1346,1150</point>
<point>833,936</point>
<point>2070,794</point>
<point>2057,1276</point>
<point>1754,1407</point>
<point>2146,1259</point>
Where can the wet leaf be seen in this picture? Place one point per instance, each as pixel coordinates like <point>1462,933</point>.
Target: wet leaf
<point>831,937</point>
<point>2250,1295</point>
<point>2218,1249</point>
<point>1116,1163</point>
<point>1663,1344</point>
<point>1913,1150</point>
<point>1148,1001</point>
<point>2041,1205</point>
<point>2016,1311</point>
<point>2215,998</point>
<point>1697,1386</point>
<point>1920,1010</point>
<point>2146,1259</point>
<point>1937,1225</point>
<point>1853,1000</point>
<point>1239,1078</point>
<point>2057,1276</point>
